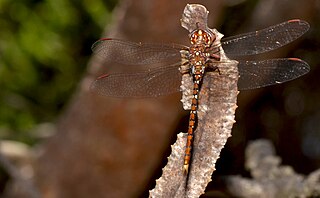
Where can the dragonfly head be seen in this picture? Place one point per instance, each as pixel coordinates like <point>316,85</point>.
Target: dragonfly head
<point>200,36</point>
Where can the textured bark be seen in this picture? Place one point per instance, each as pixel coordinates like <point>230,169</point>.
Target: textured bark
<point>216,113</point>
<point>270,178</point>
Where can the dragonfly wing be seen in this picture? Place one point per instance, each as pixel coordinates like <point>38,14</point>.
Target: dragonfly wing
<point>255,74</point>
<point>264,40</point>
<point>130,53</point>
<point>152,83</point>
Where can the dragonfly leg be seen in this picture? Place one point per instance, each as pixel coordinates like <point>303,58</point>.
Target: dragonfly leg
<point>212,67</point>
<point>215,56</point>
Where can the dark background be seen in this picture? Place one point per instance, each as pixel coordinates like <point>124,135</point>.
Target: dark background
<point>91,145</point>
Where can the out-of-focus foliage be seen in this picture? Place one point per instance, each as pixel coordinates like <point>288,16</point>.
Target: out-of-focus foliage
<point>44,47</point>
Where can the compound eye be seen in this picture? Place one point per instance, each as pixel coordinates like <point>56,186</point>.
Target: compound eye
<point>193,38</point>
<point>207,39</point>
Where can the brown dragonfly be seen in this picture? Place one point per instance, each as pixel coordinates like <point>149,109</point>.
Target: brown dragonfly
<point>152,70</point>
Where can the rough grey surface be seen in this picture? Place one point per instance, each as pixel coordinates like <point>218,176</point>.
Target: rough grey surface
<point>270,178</point>
<point>217,105</point>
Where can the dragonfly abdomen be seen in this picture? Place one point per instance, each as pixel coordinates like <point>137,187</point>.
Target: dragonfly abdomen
<point>197,63</point>
<point>192,120</point>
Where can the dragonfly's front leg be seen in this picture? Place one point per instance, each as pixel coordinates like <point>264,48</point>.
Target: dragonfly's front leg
<point>211,66</point>
<point>214,56</point>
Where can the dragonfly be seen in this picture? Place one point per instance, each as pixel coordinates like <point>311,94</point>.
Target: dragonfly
<point>139,70</point>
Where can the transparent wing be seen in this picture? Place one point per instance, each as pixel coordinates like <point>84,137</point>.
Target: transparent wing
<point>152,83</point>
<point>137,70</point>
<point>264,40</point>
<point>255,74</point>
<point>130,53</point>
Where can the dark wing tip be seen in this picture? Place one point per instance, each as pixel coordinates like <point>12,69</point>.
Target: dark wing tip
<point>97,43</point>
<point>302,23</point>
<point>303,66</point>
<point>96,88</point>
<point>103,76</point>
<point>295,20</point>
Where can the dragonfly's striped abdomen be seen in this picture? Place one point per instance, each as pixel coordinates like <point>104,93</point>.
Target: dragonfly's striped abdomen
<point>193,115</point>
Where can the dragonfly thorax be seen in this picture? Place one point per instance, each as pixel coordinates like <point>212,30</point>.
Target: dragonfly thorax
<point>197,54</point>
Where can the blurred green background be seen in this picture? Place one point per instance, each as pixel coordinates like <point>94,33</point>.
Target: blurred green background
<point>44,48</point>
